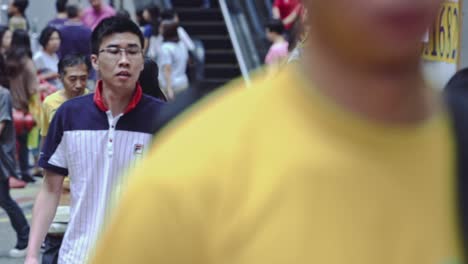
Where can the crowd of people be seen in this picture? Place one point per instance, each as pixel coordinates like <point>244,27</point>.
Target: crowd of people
<point>35,83</point>
<point>301,167</point>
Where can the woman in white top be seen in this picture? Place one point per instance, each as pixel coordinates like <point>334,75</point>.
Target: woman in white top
<point>46,60</point>
<point>171,14</point>
<point>172,61</point>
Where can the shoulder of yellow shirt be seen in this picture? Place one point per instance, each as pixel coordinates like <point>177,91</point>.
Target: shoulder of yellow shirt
<point>57,98</point>
<point>54,98</point>
<point>230,104</point>
<point>214,132</point>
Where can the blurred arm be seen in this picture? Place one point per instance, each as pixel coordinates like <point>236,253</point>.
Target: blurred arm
<point>293,16</point>
<point>276,13</point>
<point>167,76</point>
<point>2,126</point>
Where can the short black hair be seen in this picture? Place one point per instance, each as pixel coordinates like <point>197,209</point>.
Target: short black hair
<point>21,5</point>
<point>61,5</point>
<point>72,60</point>
<point>111,26</point>
<point>123,13</point>
<point>275,25</point>
<point>73,11</point>
<point>46,34</point>
<point>168,14</point>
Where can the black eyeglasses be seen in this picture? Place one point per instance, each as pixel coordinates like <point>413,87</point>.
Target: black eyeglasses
<point>132,52</point>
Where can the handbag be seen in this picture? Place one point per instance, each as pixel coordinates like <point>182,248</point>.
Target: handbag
<point>23,121</point>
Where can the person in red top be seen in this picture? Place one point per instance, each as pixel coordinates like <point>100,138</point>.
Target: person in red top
<point>288,11</point>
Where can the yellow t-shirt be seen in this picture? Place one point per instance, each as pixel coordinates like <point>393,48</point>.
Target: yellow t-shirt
<point>49,107</point>
<point>279,174</point>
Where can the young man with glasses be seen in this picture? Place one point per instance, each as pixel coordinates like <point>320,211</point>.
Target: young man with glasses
<point>94,139</point>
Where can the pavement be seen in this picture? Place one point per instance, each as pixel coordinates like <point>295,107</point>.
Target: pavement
<point>25,199</point>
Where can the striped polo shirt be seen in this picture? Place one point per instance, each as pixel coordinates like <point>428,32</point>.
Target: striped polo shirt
<point>95,150</point>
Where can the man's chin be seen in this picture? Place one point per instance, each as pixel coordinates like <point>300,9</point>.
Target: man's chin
<point>128,85</point>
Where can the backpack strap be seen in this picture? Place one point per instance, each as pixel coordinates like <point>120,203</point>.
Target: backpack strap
<point>458,106</point>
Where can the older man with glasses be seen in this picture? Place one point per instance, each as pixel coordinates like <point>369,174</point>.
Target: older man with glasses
<point>94,139</point>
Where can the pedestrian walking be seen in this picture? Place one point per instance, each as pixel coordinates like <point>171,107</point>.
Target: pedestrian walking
<point>94,139</point>
<point>74,71</point>
<point>24,89</point>
<point>17,15</point>
<point>96,13</point>
<point>288,11</point>
<point>172,61</point>
<point>8,169</point>
<point>347,156</point>
<point>171,15</point>
<point>278,53</point>
<point>61,16</point>
<point>76,37</point>
<point>150,23</point>
<point>46,59</point>
<point>5,38</point>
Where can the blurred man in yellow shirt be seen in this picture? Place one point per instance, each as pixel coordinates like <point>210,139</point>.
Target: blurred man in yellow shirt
<point>74,71</point>
<point>347,157</point>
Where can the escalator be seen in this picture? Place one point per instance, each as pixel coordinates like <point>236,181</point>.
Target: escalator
<point>232,33</point>
<point>207,25</point>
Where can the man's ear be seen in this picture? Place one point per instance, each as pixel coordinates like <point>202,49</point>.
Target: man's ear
<point>95,62</point>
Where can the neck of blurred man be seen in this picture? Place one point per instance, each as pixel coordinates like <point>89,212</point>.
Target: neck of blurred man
<point>70,95</point>
<point>17,14</point>
<point>74,19</point>
<point>395,93</point>
<point>116,99</point>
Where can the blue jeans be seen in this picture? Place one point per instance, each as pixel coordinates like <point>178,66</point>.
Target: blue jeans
<point>52,249</point>
<point>23,155</point>
<point>14,212</point>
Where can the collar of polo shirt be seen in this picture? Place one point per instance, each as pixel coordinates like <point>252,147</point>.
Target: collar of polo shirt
<point>98,100</point>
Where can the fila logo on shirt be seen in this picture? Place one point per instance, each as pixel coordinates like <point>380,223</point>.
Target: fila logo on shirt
<point>138,149</point>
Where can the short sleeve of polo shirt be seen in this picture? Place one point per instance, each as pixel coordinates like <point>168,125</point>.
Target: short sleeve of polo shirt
<point>53,155</point>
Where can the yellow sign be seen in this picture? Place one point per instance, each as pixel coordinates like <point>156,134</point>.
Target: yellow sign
<point>444,36</point>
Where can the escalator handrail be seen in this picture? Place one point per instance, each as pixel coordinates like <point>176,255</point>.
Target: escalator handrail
<point>254,18</point>
<point>235,41</point>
